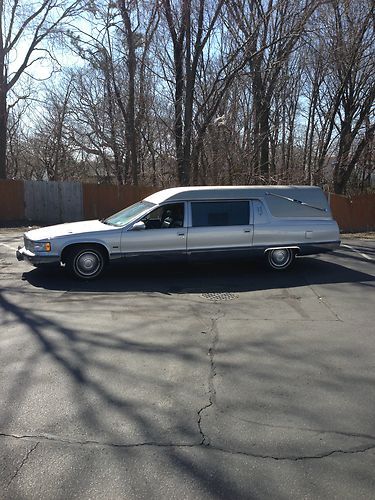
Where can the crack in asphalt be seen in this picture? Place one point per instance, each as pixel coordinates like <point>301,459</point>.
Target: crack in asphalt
<point>93,442</point>
<point>24,460</point>
<point>292,458</point>
<point>204,440</point>
<point>322,300</point>
<point>306,429</point>
<point>297,458</point>
<point>214,333</point>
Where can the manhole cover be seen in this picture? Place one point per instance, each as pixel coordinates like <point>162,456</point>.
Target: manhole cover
<point>218,297</point>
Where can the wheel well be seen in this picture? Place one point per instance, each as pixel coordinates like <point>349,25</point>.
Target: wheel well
<point>296,250</point>
<point>69,248</point>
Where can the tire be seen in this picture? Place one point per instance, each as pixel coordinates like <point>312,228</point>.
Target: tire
<point>280,258</point>
<point>86,262</point>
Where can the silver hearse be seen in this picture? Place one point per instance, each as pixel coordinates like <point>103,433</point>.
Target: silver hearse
<point>277,222</point>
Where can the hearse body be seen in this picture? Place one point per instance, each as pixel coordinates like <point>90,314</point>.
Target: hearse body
<point>277,222</point>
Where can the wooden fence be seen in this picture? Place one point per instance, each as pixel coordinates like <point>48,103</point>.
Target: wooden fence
<point>54,202</point>
<point>102,200</point>
<point>51,202</point>
<point>12,206</point>
<point>354,214</point>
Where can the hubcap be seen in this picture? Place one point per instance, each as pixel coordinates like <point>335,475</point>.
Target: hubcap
<point>280,257</point>
<point>88,263</point>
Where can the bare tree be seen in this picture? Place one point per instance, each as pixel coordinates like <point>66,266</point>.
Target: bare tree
<point>55,153</point>
<point>22,23</point>
<point>273,30</point>
<point>340,74</point>
<point>355,72</point>
<point>118,51</point>
<point>203,91</point>
<point>190,29</point>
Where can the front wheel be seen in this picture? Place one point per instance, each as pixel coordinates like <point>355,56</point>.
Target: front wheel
<point>280,258</point>
<point>85,263</point>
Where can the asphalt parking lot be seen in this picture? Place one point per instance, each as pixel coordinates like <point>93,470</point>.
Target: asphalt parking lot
<point>208,381</point>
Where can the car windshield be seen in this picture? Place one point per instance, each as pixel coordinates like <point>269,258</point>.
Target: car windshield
<point>122,218</point>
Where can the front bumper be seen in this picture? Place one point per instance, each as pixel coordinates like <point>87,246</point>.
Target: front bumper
<point>23,254</point>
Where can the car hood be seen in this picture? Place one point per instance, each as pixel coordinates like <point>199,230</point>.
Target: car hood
<point>88,226</point>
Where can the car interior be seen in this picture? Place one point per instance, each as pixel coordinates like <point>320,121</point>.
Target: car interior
<point>165,217</point>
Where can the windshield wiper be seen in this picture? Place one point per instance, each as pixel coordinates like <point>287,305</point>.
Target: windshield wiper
<point>104,221</point>
<point>293,200</point>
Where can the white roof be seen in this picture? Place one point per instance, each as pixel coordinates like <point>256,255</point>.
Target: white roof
<point>228,192</point>
<point>307,194</point>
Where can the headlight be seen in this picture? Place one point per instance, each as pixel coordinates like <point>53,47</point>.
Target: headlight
<point>41,246</point>
<point>37,246</point>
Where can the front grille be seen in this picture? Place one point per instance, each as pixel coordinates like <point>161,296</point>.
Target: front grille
<point>28,244</point>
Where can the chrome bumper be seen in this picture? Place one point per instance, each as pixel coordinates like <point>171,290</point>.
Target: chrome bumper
<point>23,254</point>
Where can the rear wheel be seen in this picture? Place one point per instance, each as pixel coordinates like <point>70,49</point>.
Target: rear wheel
<point>86,262</point>
<point>280,258</point>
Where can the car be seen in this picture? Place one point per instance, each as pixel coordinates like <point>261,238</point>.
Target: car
<point>278,223</point>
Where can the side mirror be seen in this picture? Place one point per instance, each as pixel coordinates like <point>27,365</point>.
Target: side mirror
<point>138,226</point>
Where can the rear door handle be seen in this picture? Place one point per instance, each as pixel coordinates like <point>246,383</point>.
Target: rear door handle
<point>246,231</point>
<point>181,234</point>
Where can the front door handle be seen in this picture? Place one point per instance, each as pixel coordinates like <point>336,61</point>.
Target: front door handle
<point>181,234</point>
<point>246,231</point>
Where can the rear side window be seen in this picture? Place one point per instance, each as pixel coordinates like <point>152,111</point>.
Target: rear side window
<point>220,213</point>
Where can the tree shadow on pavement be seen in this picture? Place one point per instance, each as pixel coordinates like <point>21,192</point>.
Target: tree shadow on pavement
<point>83,387</point>
<point>140,386</point>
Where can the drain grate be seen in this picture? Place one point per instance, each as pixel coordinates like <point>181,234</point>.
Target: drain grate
<point>219,296</point>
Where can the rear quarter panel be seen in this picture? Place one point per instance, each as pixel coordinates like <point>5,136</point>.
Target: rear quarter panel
<point>276,231</point>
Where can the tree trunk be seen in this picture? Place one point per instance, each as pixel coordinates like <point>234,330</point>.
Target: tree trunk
<point>3,110</point>
<point>3,131</point>
<point>344,168</point>
<point>261,138</point>
<point>264,164</point>
<point>183,177</point>
<point>189,95</point>
<point>131,64</point>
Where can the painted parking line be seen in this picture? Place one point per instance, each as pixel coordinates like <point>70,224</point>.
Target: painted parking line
<point>8,246</point>
<point>357,251</point>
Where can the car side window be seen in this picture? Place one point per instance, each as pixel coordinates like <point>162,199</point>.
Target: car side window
<point>165,217</point>
<point>218,213</point>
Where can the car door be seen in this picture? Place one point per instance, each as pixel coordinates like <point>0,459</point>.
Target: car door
<point>163,235</point>
<point>219,228</point>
